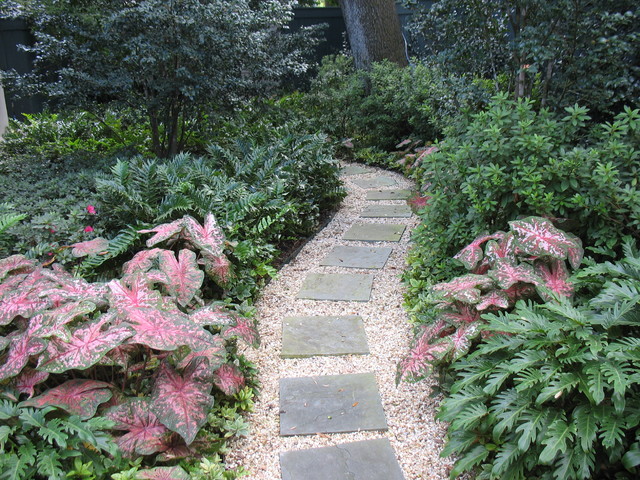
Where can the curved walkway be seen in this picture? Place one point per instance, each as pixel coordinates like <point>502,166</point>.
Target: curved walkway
<point>329,391</point>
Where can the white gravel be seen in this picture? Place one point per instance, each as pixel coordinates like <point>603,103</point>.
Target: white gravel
<point>415,435</point>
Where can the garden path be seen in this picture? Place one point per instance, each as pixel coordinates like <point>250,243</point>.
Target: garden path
<point>333,329</point>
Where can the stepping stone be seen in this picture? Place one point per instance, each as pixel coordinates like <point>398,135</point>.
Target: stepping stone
<point>309,336</point>
<point>375,182</point>
<point>386,211</point>
<point>337,286</point>
<point>330,404</point>
<point>354,170</point>
<point>375,232</point>
<point>388,194</point>
<point>364,460</point>
<point>357,257</point>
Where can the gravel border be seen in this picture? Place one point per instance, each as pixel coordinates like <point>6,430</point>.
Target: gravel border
<point>415,435</point>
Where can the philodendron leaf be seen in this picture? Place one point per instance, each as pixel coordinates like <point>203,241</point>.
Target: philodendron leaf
<point>182,402</point>
<point>183,275</point>
<point>90,247</point>
<point>163,473</point>
<point>78,397</point>
<point>16,264</point>
<point>506,273</point>
<point>144,430</point>
<point>85,347</point>
<point>165,330</point>
<point>22,346</point>
<point>537,236</point>
<point>229,379</point>
<point>466,289</point>
<point>472,253</point>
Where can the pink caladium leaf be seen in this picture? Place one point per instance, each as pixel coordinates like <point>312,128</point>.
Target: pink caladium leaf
<point>21,348</point>
<point>132,292</point>
<point>142,261</point>
<point>463,315</point>
<point>24,302</point>
<point>495,299</point>
<point>218,267</point>
<point>555,277</point>
<point>212,315</point>
<point>121,356</point>
<point>422,356</point>
<point>472,253</point>
<point>461,339</point>
<point>229,379</point>
<point>466,288</point>
<point>78,397</point>
<point>163,473</point>
<point>164,232</point>
<point>208,237</point>
<point>243,328</point>
<point>86,347</point>
<point>507,273</point>
<point>67,287</point>
<point>144,434</point>
<point>4,343</point>
<point>519,291</point>
<point>164,330</point>
<point>505,248</point>
<point>174,448</point>
<point>537,236</point>
<point>90,247</point>
<point>52,322</point>
<point>28,379</point>
<point>184,276</point>
<point>16,264</point>
<point>215,352</point>
<point>182,402</point>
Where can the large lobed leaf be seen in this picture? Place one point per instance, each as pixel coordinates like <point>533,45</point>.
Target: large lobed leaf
<point>85,347</point>
<point>182,402</point>
<point>132,292</point>
<point>208,237</point>
<point>144,431</point>
<point>78,397</point>
<point>183,275</point>
<point>537,236</point>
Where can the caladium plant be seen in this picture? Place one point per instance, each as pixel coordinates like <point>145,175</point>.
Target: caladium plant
<point>146,344</point>
<point>528,262</point>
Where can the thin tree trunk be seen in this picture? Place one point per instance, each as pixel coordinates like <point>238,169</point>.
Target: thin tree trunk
<point>374,32</point>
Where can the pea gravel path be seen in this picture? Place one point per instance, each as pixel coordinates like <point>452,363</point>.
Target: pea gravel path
<point>414,434</point>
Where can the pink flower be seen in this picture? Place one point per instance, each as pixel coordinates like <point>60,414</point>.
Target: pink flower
<point>52,230</point>
<point>88,229</point>
<point>91,209</point>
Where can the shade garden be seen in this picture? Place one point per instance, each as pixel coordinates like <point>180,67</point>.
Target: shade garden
<point>144,209</point>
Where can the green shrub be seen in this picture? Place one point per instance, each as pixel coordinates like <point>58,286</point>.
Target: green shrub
<point>554,391</point>
<point>511,161</point>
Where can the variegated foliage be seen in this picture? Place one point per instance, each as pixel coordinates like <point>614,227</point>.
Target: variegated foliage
<point>146,345</point>
<point>528,262</point>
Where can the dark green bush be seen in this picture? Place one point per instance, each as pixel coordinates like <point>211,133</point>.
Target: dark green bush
<point>554,392</point>
<point>512,161</point>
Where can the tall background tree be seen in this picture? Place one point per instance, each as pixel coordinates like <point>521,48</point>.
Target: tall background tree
<point>374,32</point>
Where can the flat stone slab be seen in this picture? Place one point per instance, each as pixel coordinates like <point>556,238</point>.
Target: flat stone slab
<point>357,257</point>
<point>388,194</point>
<point>323,335</point>
<point>375,232</point>
<point>337,286</point>
<point>365,460</point>
<point>354,170</point>
<point>375,182</point>
<point>330,404</point>
<point>386,211</point>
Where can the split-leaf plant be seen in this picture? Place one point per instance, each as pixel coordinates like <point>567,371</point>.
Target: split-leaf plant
<point>528,262</point>
<point>147,344</point>
<point>553,392</point>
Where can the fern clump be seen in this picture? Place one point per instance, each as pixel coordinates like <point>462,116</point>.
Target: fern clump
<point>554,391</point>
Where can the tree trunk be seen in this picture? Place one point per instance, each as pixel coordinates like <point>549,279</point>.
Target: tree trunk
<point>374,32</point>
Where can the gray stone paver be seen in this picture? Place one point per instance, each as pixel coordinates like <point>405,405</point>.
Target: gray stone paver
<point>388,194</point>
<point>354,170</point>
<point>357,257</point>
<point>364,460</point>
<point>375,182</point>
<point>337,286</point>
<point>386,211</point>
<point>330,404</point>
<point>323,335</point>
<point>375,232</point>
